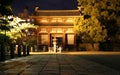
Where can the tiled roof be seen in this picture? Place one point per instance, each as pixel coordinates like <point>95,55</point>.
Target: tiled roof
<point>56,13</point>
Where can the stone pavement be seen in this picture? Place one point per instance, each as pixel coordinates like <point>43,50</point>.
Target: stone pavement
<point>54,64</point>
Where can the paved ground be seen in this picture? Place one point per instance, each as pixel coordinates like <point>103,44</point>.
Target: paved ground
<point>70,63</point>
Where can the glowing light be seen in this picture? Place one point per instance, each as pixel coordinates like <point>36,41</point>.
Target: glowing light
<point>43,30</point>
<point>54,20</point>
<point>57,20</point>
<point>59,30</point>
<point>70,30</point>
<point>10,17</point>
<point>69,20</point>
<point>44,20</point>
<point>56,30</point>
<point>60,20</point>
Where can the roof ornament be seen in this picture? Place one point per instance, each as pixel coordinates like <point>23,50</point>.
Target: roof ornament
<point>36,8</point>
<point>79,8</point>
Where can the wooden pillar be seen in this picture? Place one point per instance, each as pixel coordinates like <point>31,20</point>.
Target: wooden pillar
<point>37,47</point>
<point>75,41</point>
<point>64,42</point>
<point>49,38</point>
<point>38,39</point>
<point>64,38</point>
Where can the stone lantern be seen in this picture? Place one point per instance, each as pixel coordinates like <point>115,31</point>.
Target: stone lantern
<point>54,44</point>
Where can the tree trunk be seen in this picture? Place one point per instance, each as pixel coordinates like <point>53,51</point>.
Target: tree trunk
<point>28,50</point>
<point>19,50</point>
<point>3,56</point>
<point>24,50</point>
<point>12,49</point>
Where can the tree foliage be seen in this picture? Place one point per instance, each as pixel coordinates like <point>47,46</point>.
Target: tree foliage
<point>4,25</point>
<point>99,19</point>
<point>90,30</point>
<point>18,25</point>
<point>11,26</point>
<point>5,11</point>
<point>4,37</point>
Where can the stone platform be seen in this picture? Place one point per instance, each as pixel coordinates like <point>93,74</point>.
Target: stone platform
<point>54,64</point>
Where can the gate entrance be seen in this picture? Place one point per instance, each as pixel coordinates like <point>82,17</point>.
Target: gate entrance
<point>59,41</point>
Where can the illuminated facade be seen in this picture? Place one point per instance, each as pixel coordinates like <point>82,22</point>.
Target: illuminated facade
<point>55,24</point>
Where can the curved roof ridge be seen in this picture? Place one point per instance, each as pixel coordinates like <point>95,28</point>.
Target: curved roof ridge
<point>57,10</point>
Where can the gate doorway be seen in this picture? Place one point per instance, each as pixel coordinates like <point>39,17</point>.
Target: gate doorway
<point>59,41</point>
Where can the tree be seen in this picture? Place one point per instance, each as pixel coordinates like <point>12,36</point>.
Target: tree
<point>19,26</point>
<point>5,11</point>
<point>99,19</point>
<point>16,32</point>
<point>90,30</point>
<point>11,27</point>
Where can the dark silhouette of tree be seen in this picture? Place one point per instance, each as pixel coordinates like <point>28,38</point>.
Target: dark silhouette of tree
<point>5,11</point>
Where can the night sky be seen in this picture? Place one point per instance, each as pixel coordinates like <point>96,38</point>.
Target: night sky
<point>18,5</point>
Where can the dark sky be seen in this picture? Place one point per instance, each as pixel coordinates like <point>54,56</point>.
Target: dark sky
<point>18,5</point>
